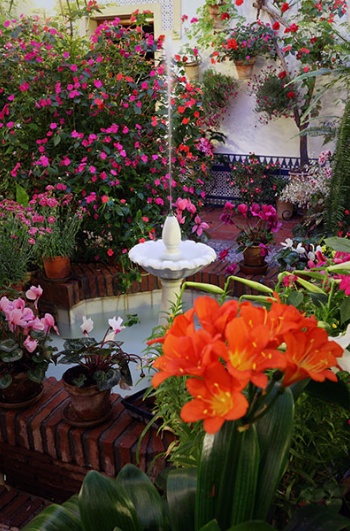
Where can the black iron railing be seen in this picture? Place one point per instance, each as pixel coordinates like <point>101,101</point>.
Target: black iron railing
<point>218,189</point>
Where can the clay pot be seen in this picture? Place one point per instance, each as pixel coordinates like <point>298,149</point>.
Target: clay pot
<point>252,256</point>
<point>245,68</point>
<point>88,405</point>
<point>192,71</point>
<point>284,210</point>
<point>57,267</point>
<point>22,392</point>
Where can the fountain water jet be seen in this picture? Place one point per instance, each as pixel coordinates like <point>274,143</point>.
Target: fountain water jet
<point>170,258</point>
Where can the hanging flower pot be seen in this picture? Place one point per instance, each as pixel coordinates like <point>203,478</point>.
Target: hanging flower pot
<point>57,267</point>
<point>245,68</point>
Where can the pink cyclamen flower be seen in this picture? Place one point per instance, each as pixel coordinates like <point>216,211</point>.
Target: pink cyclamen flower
<point>87,326</point>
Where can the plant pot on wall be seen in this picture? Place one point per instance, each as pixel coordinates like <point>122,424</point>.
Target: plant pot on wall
<point>57,267</point>
<point>192,71</point>
<point>88,405</point>
<point>215,14</point>
<point>22,392</point>
<point>253,262</point>
<point>245,68</point>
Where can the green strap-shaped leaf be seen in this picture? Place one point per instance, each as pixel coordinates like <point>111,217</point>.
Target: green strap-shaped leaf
<point>181,496</point>
<point>57,518</point>
<point>333,392</point>
<point>227,476</point>
<point>274,434</point>
<point>104,505</point>
<point>211,526</point>
<point>149,505</point>
<point>317,518</point>
<point>254,525</point>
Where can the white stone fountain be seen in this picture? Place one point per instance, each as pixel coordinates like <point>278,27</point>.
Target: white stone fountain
<point>172,260</point>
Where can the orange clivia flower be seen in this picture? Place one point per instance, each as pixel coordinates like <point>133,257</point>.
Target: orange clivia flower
<point>310,354</point>
<point>250,350</point>
<point>214,317</point>
<point>217,397</point>
<point>184,355</point>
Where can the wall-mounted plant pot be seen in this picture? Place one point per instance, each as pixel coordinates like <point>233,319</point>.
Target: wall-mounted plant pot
<point>192,71</point>
<point>244,69</point>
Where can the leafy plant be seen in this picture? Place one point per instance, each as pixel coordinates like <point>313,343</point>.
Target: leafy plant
<point>103,363</point>
<point>218,92</point>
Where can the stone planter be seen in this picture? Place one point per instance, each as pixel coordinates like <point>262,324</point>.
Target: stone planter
<point>192,71</point>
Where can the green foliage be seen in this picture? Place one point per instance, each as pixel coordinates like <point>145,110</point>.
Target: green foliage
<point>273,98</point>
<point>218,91</point>
<point>337,217</point>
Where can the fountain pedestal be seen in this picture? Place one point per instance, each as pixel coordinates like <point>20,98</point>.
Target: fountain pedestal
<point>171,260</point>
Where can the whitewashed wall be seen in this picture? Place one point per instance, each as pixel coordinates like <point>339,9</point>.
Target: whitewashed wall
<point>244,131</point>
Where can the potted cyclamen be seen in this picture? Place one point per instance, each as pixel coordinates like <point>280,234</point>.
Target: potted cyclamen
<point>24,350</point>
<point>253,239</point>
<point>61,220</point>
<point>97,367</point>
<point>243,43</point>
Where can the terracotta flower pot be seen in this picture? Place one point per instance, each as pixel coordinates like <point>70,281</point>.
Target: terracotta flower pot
<point>88,405</point>
<point>284,210</point>
<point>192,71</point>
<point>245,68</point>
<point>253,263</point>
<point>22,392</point>
<point>57,267</point>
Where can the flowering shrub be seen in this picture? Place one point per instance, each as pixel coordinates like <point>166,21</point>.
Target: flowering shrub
<point>312,187</point>
<point>24,338</point>
<point>218,92</point>
<point>252,180</point>
<point>19,232</point>
<point>60,221</point>
<point>261,232</point>
<point>100,126</point>
<point>245,41</point>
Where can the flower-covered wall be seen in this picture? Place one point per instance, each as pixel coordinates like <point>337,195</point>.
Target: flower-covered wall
<point>245,132</point>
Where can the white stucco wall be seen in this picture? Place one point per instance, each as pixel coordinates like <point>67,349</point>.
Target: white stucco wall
<point>244,131</point>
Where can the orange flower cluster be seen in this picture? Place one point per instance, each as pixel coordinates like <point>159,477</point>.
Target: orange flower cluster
<point>234,345</point>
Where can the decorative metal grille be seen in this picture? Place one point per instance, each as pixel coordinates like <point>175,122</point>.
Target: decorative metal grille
<point>218,189</point>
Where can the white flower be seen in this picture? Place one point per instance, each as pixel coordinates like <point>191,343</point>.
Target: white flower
<point>288,244</point>
<point>300,249</point>
<point>344,341</point>
<point>116,324</point>
<point>87,325</point>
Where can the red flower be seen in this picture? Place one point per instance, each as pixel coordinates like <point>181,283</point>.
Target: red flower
<point>284,7</point>
<point>291,95</point>
<point>239,2</point>
<point>282,74</point>
<point>276,25</point>
<point>232,44</point>
<point>225,16</point>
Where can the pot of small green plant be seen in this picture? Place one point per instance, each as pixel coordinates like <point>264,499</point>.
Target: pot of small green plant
<point>97,366</point>
<point>61,220</point>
